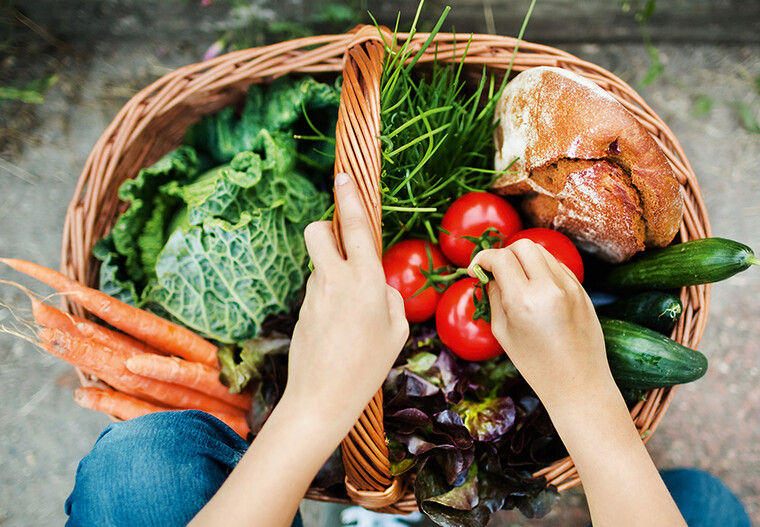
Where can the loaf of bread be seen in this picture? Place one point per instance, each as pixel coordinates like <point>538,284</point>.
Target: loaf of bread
<point>584,165</point>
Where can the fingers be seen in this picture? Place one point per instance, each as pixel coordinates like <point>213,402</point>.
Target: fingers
<point>321,244</point>
<point>560,270</point>
<point>354,225</point>
<point>532,260</point>
<point>504,265</point>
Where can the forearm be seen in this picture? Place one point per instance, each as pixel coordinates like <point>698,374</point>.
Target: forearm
<point>269,482</point>
<point>621,483</point>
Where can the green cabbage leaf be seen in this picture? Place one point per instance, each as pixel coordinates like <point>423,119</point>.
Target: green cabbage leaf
<point>220,250</point>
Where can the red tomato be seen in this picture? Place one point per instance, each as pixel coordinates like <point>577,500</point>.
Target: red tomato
<point>556,243</point>
<point>469,339</point>
<point>471,215</point>
<point>402,264</point>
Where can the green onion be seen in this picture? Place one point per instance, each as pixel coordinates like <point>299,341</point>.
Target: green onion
<point>436,138</point>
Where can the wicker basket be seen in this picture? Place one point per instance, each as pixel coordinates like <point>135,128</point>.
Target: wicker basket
<point>154,121</point>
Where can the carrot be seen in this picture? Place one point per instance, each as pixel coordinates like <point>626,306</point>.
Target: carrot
<point>110,366</point>
<point>191,374</point>
<point>117,404</point>
<point>50,317</point>
<point>237,423</point>
<point>169,369</point>
<point>127,407</point>
<point>143,325</point>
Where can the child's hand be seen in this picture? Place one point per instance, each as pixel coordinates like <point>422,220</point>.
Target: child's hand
<point>545,321</point>
<point>351,326</point>
<point>349,332</point>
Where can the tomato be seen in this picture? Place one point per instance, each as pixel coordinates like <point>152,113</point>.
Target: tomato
<point>471,215</point>
<point>469,339</point>
<point>556,243</point>
<point>402,263</point>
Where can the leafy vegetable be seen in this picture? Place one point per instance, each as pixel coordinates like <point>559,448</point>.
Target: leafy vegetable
<point>285,105</point>
<point>223,279</point>
<point>264,362</point>
<point>221,251</point>
<point>487,420</point>
<point>466,427</point>
<point>138,235</point>
<point>248,363</point>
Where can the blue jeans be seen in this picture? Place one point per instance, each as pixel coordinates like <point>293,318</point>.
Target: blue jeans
<point>704,500</point>
<point>162,468</point>
<point>159,469</point>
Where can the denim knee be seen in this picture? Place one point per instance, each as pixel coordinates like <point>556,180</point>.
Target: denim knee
<point>704,500</point>
<point>158,469</point>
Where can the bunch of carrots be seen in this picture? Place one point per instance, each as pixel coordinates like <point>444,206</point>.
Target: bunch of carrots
<point>155,365</point>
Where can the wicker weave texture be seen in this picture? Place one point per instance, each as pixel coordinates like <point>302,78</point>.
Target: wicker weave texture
<point>154,121</point>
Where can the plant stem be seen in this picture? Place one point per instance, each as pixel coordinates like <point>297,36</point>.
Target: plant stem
<point>480,274</point>
<point>408,209</point>
<point>519,38</point>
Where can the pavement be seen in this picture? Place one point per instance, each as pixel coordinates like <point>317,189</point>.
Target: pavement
<point>713,424</point>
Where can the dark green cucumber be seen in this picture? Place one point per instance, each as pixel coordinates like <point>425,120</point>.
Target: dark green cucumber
<point>644,359</point>
<point>696,262</point>
<point>655,310</point>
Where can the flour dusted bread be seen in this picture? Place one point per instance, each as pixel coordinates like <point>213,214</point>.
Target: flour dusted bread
<point>585,165</point>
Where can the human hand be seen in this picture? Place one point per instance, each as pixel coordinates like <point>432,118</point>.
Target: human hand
<point>351,326</point>
<point>545,321</point>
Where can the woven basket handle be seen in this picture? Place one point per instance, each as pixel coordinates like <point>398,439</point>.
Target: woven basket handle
<point>357,148</point>
<point>357,153</point>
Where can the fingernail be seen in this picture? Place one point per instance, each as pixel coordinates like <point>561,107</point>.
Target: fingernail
<point>341,179</point>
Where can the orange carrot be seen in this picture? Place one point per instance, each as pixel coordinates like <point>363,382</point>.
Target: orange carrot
<point>127,407</point>
<point>110,366</point>
<point>191,374</point>
<point>237,423</point>
<point>114,403</point>
<point>143,325</point>
<point>50,317</point>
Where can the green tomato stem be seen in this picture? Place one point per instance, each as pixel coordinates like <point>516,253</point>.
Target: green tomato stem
<point>480,274</point>
<point>451,277</point>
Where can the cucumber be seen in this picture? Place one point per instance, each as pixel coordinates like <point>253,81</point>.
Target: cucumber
<point>655,310</point>
<point>644,359</point>
<point>696,262</point>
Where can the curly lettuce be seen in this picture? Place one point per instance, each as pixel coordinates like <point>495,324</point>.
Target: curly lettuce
<point>473,433</point>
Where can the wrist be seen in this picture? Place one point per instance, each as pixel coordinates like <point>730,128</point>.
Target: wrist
<point>318,419</point>
<point>599,401</point>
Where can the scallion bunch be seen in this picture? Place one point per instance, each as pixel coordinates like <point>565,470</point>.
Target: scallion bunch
<point>436,139</point>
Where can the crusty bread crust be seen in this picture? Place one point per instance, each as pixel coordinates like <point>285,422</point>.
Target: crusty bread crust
<point>552,124</point>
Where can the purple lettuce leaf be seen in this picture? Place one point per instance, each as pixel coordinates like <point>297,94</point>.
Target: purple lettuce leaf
<point>464,496</point>
<point>487,420</point>
<point>454,463</point>
<point>511,489</point>
<point>465,428</point>
<point>450,427</point>
<point>431,489</point>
